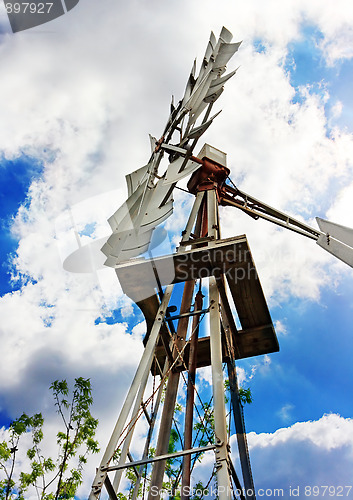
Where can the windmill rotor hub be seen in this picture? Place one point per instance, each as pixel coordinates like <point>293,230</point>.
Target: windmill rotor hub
<point>211,175</point>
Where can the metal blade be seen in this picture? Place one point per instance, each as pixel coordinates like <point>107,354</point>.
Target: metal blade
<point>340,233</point>
<point>336,248</point>
<point>209,51</point>
<point>156,216</point>
<point>135,245</point>
<point>136,178</point>
<point>219,82</point>
<point>198,131</point>
<point>226,35</point>
<point>199,92</point>
<point>195,114</point>
<point>226,51</point>
<point>190,84</point>
<point>213,96</point>
<point>153,142</point>
<point>118,244</point>
<point>173,175</point>
<point>128,207</point>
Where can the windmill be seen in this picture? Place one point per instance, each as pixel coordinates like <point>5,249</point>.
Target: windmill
<point>174,349</point>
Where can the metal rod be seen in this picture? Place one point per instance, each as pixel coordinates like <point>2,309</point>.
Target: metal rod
<point>130,457</point>
<point>130,430</point>
<point>110,490</point>
<point>221,435</point>
<point>160,458</point>
<point>150,430</point>
<point>192,218</point>
<point>241,433</point>
<point>190,398</point>
<point>218,394</point>
<point>204,215</point>
<point>227,317</point>
<point>212,214</point>
<point>236,480</point>
<point>273,215</point>
<point>170,395</point>
<point>193,313</point>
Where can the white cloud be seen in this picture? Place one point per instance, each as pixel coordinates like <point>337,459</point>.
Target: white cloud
<point>341,208</point>
<point>285,412</point>
<point>280,327</point>
<point>307,453</point>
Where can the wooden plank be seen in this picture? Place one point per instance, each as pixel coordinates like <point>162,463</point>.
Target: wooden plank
<point>138,280</point>
<point>230,258</point>
<point>250,343</point>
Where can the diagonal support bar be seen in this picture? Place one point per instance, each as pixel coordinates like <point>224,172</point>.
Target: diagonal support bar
<point>160,458</point>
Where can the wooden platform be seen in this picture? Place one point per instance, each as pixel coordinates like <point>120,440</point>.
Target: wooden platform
<point>230,258</point>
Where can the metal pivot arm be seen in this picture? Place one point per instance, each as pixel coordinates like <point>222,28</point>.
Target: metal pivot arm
<point>232,196</point>
<point>335,239</point>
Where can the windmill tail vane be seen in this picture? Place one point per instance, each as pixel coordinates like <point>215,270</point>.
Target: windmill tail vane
<point>336,239</point>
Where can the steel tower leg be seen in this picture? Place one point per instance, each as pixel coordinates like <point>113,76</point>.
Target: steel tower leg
<point>221,437</point>
<point>130,431</point>
<point>149,435</point>
<point>190,398</point>
<point>170,396</point>
<point>241,434</point>
<point>224,489</point>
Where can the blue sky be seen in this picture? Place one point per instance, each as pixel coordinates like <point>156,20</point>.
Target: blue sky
<point>15,178</point>
<point>76,113</point>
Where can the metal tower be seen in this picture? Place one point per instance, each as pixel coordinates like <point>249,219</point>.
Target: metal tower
<point>175,345</point>
<point>174,350</point>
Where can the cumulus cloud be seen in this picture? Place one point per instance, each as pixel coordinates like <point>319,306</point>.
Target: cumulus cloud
<point>306,454</point>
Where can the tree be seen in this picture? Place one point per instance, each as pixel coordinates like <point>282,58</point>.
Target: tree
<point>51,479</point>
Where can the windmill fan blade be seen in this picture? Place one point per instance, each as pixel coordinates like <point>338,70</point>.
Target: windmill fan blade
<point>173,174</point>
<point>190,84</point>
<point>198,131</point>
<point>212,95</point>
<point>127,207</point>
<point>338,240</point>
<point>153,142</point>
<point>226,35</point>
<point>135,179</point>
<point>209,51</point>
<point>226,51</point>
<point>135,220</point>
<point>219,82</point>
<point>150,201</point>
<point>156,216</point>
